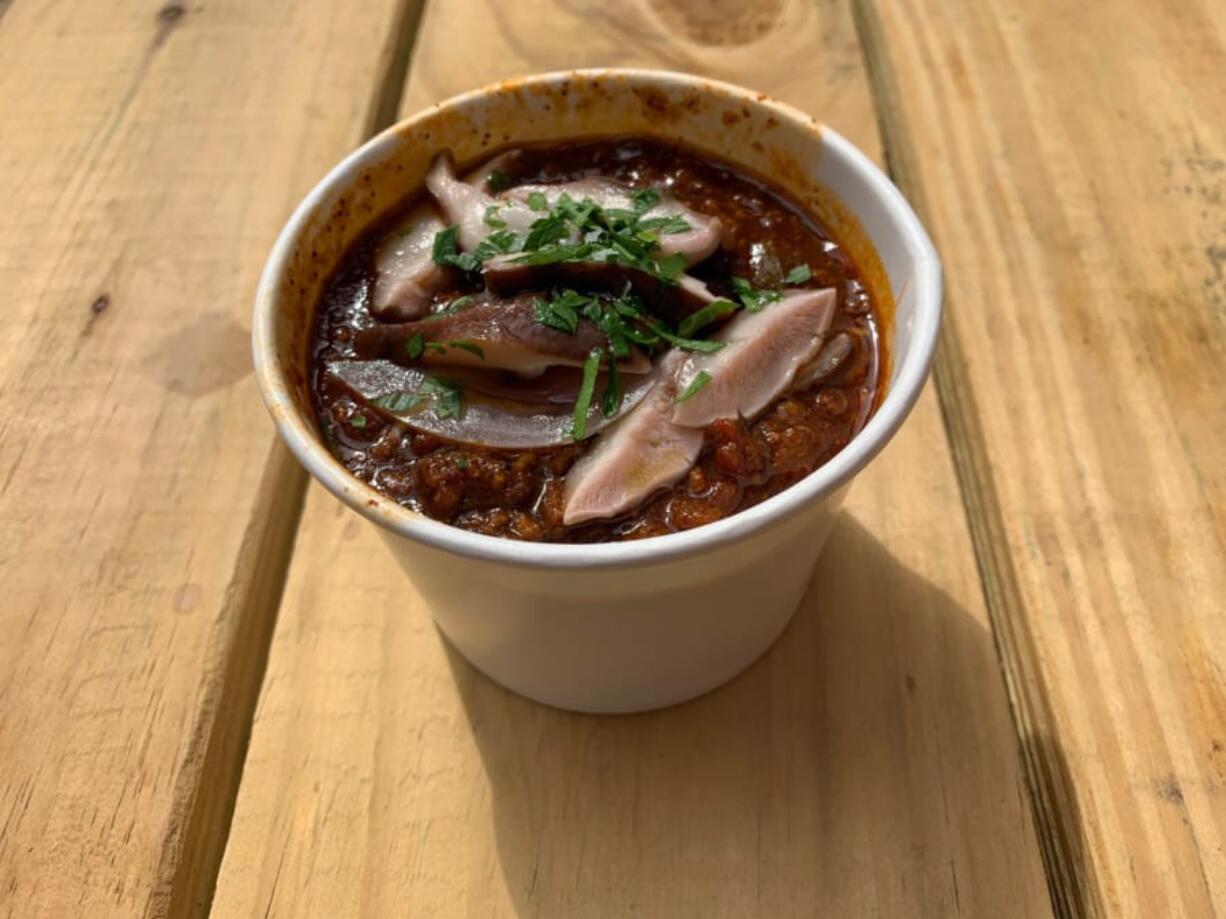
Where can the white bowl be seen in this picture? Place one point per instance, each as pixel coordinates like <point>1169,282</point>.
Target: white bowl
<point>624,626</point>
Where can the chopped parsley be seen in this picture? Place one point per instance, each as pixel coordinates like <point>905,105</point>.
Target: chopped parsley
<point>417,345</point>
<point>574,231</point>
<point>497,243</point>
<point>568,231</point>
<point>544,231</point>
<point>670,267</point>
<point>614,327</point>
<point>446,246</point>
<point>583,401</point>
<point>445,395</point>
<point>701,379</point>
<point>705,316</point>
<point>686,344</point>
<point>663,226</point>
<point>470,347</point>
<point>491,218</point>
<point>798,275</point>
<point>400,402</point>
<point>445,398</point>
<point>498,181</point>
<point>644,199</point>
<point>455,305</point>
<point>754,300</point>
<point>446,249</point>
<point>357,421</point>
<point>560,311</point>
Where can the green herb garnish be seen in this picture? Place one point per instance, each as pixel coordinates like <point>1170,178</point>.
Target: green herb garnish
<point>670,267</point>
<point>575,231</point>
<point>455,305</point>
<point>445,395</point>
<point>664,226</point>
<point>415,346</point>
<point>358,421</point>
<point>577,212</point>
<point>497,243</point>
<point>614,328</point>
<point>754,300</point>
<point>561,310</point>
<point>798,275</point>
<point>492,219</point>
<point>544,231</point>
<point>498,181</point>
<point>537,201</point>
<point>446,250</point>
<point>701,379</point>
<point>584,400</point>
<point>644,199</point>
<point>399,402</point>
<point>470,347</point>
<point>446,246</point>
<point>685,344</point>
<point>564,252</point>
<point>705,316</point>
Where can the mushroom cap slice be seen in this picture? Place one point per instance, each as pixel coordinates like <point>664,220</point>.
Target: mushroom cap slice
<point>493,333</point>
<point>762,353</point>
<point>484,420</point>
<point>466,201</point>
<point>406,277</point>
<point>644,452</point>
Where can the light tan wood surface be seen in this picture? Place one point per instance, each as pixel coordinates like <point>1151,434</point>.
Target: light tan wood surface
<point>148,155</point>
<point>1071,159</point>
<point>1036,567</point>
<point>867,766</point>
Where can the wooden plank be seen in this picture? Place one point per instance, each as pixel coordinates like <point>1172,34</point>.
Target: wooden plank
<point>1072,160</point>
<point>865,767</point>
<point>149,156</point>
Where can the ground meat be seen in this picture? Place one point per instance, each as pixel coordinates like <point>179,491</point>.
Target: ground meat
<point>456,479</point>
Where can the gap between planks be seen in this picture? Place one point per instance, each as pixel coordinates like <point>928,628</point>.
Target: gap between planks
<point>191,860</point>
<point>1054,809</point>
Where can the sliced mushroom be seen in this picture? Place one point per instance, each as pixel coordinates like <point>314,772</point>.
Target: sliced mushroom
<point>494,333</point>
<point>406,277</point>
<point>467,203</point>
<point>504,275</point>
<point>557,386</point>
<point>484,420</point>
<point>645,451</point>
<point>759,361</point>
<point>829,359</point>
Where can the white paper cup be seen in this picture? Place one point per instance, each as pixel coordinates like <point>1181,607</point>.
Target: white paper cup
<point>622,626</point>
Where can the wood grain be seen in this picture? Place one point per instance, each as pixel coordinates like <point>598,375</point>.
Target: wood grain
<point>1072,162</point>
<point>866,766</point>
<point>149,156</point>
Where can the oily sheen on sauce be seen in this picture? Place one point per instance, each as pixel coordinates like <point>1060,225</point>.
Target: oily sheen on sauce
<point>521,493</point>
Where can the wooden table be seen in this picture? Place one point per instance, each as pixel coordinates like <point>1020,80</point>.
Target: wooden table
<point>218,697</point>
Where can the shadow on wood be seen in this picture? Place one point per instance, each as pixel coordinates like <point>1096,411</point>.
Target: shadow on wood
<point>842,773</point>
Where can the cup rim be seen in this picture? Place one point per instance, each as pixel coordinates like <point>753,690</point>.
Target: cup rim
<point>901,397</point>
